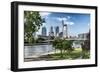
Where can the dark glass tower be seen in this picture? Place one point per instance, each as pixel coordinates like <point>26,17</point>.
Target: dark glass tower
<point>44,31</point>
<point>51,31</point>
<point>57,31</point>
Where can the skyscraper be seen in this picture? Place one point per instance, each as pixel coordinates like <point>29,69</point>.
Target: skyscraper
<point>65,30</point>
<point>44,31</point>
<point>51,31</point>
<point>57,31</point>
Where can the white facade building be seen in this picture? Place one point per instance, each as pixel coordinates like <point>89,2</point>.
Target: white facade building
<point>64,30</point>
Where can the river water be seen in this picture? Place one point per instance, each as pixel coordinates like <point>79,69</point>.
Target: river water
<point>37,50</point>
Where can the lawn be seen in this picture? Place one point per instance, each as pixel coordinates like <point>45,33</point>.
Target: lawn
<point>75,54</point>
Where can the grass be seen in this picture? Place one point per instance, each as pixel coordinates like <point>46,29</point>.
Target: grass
<point>75,54</point>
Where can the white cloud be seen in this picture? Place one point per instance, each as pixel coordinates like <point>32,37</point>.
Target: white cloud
<point>68,17</point>
<point>66,20</point>
<point>60,19</point>
<point>63,18</point>
<point>69,23</point>
<point>44,14</point>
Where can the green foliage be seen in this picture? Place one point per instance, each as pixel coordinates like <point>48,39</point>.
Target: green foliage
<point>63,45</point>
<point>32,23</point>
<point>75,54</point>
<point>54,42</point>
<point>57,43</point>
<point>86,54</point>
<point>67,45</point>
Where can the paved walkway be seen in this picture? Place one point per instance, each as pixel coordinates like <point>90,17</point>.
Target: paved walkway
<point>44,56</point>
<point>35,56</point>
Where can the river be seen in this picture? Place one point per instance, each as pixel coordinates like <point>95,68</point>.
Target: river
<point>37,50</point>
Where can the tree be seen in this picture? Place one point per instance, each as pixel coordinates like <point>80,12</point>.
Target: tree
<point>54,43</point>
<point>57,43</point>
<point>59,46</point>
<point>32,23</point>
<point>67,45</point>
<point>63,45</point>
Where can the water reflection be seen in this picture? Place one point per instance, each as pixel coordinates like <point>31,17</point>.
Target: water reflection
<point>37,50</point>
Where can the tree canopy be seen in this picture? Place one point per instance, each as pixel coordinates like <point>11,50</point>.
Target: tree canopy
<point>32,23</point>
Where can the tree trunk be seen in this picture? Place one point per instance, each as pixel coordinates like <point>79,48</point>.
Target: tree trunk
<point>61,53</point>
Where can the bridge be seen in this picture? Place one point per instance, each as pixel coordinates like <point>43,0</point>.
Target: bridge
<point>74,39</point>
<point>71,39</point>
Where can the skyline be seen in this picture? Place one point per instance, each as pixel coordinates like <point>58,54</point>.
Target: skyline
<point>77,23</point>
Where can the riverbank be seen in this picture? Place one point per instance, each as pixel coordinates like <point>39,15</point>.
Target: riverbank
<point>36,56</point>
<point>37,44</point>
<point>45,56</point>
<point>76,54</point>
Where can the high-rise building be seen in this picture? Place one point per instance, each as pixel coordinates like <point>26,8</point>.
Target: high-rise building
<point>44,31</point>
<point>61,34</point>
<point>57,31</point>
<point>65,34</point>
<point>51,31</point>
<point>65,30</point>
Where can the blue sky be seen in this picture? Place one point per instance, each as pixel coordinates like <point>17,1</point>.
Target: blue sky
<point>77,23</point>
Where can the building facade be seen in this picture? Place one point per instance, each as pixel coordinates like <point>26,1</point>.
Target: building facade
<point>44,31</point>
<point>83,36</point>
<point>51,33</point>
<point>56,31</point>
<point>64,30</point>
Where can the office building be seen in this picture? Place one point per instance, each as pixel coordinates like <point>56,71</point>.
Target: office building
<point>44,31</point>
<point>64,30</point>
<point>56,31</point>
